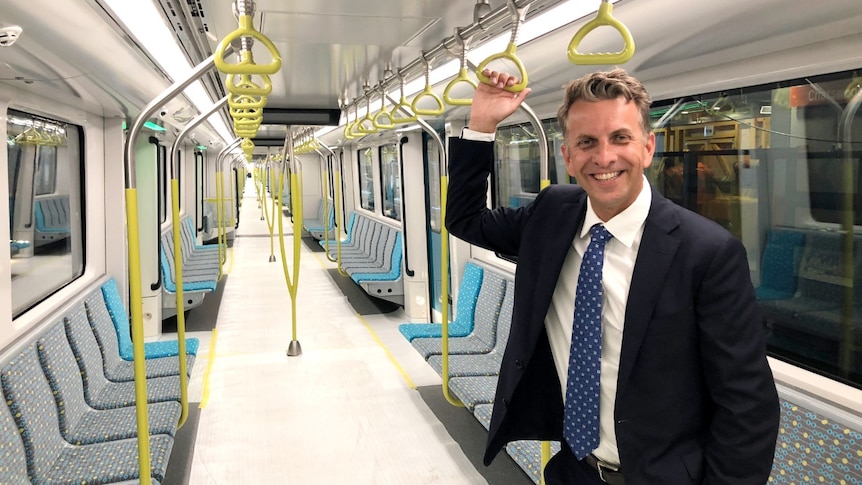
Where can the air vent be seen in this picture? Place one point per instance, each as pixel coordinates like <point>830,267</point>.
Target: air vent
<point>8,35</point>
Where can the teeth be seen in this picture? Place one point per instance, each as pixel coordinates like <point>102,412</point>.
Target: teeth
<point>606,176</point>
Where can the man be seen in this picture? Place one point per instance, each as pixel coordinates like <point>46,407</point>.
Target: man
<point>684,394</point>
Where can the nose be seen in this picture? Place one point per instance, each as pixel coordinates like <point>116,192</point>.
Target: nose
<point>605,153</point>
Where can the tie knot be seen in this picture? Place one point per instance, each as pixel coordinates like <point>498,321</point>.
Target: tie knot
<point>599,234</point>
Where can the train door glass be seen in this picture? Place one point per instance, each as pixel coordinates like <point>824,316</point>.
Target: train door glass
<point>434,222</point>
<point>390,181</point>
<point>366,179</point>
<point>779,167</point>
<point>45,199</point>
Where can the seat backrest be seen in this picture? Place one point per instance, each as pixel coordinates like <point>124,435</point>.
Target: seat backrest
<point>488,307</point>
<point>86,350</point>
<point>781,257</point>
<point>35,412</point>
<point>64,377</point>
<point>103,330</point>
<point>821,272</point>
<point>119,317</point>
<point>13,457</point>
<point>504,321</point>
<point>468,293</point>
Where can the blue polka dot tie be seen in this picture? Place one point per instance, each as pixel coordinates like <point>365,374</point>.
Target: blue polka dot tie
<point>581,419</point>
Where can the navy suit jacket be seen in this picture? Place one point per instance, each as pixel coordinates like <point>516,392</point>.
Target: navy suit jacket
<point>696,401</point>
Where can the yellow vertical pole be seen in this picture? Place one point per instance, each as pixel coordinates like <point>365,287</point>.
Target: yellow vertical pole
<point>181,317</point>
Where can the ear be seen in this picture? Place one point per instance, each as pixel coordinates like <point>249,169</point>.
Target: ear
<point>650,149</point>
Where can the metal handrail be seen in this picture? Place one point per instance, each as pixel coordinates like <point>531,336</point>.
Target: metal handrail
<point>178,256</point>
<point>287,154</point>
<point>222,249</point>
<point>136,305</point>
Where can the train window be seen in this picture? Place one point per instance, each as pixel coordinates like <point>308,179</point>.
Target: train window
<point>779,167</point>
<point>45,200</point>
<point>366,179</point>
<point>432,181</point>
<point>390,181</point>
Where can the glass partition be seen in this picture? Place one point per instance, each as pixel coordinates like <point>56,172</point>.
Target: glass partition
<point>366,179</point>
<point>390,181</point>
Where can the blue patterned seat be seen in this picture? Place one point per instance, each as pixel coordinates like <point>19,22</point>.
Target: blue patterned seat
<point>79,423</point>
<point>117,369</point>
<point>474,390</point>
<point>332,243</point>
<point>100,393</point>
<point>484,335</point>
<point>120,317</point>
<point>50,458</point>
<point>13,458</point>
<point>468,293</point>
<point>482,364</point>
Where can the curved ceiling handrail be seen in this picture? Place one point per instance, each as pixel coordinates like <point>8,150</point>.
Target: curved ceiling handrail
<point>518,16</point>
<point>603,19</point>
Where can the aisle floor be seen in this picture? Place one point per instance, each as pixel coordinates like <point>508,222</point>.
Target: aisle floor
<point>346,411</point>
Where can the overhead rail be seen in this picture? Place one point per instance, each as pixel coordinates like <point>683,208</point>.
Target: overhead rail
<point>519,14</point>
<point>494,22</point>
<point>603,18</point>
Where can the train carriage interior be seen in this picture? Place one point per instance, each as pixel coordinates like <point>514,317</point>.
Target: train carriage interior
<point>228,261</point>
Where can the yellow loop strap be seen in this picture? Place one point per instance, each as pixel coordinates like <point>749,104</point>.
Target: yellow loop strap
<point>509,55</point>
<point>246,101</point>
<point>603,19</point>
<point>427,93</point>
<point>397,109</point>
<point>347,130</point>
<point>246,86</point>
<point>461,78</point>
<point>379,118</point>
<point>246,29</point>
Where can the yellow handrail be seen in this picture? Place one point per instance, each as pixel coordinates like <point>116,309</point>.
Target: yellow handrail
<point>444,274</point>
<point>292,282</point>
<point>380,125</point>
<point>427,93</point>
<point>518,16</point>
<point>246,29</point>
<point>462,75</point>
<point>603,19</point>
<point>181,318</point>
<point>403,105</point>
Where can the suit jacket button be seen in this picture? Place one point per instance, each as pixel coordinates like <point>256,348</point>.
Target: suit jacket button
<point>519,364</point>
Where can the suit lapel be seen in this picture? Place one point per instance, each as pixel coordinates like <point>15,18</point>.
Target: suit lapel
<point>656,253</point>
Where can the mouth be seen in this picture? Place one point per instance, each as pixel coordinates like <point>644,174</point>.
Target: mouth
<point>604,177</point>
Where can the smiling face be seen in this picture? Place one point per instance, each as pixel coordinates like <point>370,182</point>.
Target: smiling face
<point>606,151</point>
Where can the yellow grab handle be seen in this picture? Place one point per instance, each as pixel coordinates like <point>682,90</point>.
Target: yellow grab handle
<point>509,55</point>
<point>362,128</point>
<point>247,147</point>
<point>246,114</point>
<point>407,119</point>
<point>379,124</point>
<point>427,93</point>
<point>246,86</point>
<point>347,133</point>
<point>461,78</point>
<point>246,29</point>
<point>246,101</point>
<point>603,19</point>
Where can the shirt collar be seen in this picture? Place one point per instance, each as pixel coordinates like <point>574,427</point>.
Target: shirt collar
<point>626,225</point>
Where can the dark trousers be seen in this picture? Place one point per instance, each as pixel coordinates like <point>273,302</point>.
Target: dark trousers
<point>565,469</point>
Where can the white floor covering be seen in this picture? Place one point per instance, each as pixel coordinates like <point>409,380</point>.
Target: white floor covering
<point>344,412</point>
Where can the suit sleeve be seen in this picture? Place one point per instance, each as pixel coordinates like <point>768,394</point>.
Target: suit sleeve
<point>744,424</point>
<point>467,213</point>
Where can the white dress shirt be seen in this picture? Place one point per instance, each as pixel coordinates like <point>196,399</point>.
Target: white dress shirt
<point>620,254</point>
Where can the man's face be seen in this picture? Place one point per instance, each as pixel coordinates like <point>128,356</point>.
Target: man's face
<point>606,151</point>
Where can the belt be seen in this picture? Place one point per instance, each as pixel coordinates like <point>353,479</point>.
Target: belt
<point>607,473</point>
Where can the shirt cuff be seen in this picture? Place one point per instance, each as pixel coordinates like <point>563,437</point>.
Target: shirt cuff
<point>468,134</point>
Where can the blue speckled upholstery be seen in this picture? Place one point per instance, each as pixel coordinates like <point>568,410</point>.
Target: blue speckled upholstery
<point>394,263</point>
<point>484,335</point>
<point>79,423</point>
<point>468,292</point>
<point>120,318</point>
<point>474,390</point>
<point>483,364</point>
<point>13,462</point>
<point>50,459</point>
<point>117,369</point>
<point>332,243</point>
<point>99,392</point>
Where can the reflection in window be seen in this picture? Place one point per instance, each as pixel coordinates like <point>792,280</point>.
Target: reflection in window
<point>774,167</point>
<point>517,170</point>
<point>45,190</point>
<point>366,179</point>
<point>432,177</point>
<point>390,182</point>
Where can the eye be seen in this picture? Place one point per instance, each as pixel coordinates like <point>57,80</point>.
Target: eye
<point>622,138</point>
<point>585,143</point>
